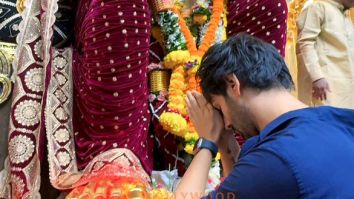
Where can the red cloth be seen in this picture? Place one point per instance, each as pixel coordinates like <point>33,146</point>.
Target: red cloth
<point>110,79</point>
<point>265,19</point>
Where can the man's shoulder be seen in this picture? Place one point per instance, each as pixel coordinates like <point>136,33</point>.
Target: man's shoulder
<point>308,127</point>
<point>304,125</point>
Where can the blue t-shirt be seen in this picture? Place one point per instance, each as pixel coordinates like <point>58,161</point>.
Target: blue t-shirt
<point>307,153</point>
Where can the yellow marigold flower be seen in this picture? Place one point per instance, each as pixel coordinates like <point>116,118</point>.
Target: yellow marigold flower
<point>179,99</point>
<point>218,156</point>
<point>160,193</point>
<point>184,111</point>
<point>178,84</point>
<point>178,73</point>
<point>174,123</point>
<point>188,136</point>
<point>176,58</point>
<point>194,136</point>
<point>224,36</point>
<point>189,148</point>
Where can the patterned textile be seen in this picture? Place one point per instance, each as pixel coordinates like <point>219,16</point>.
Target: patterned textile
<point>10,20</point>
<point>265,19</point>
<point>25,131</point>
<point>110,79</point>
<point>58,118</point>
<point>42,106</point>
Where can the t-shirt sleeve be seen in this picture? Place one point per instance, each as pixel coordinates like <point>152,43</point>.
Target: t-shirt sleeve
<point>259,174</point>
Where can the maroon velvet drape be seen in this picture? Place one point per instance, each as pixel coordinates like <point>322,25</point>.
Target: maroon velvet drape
<point>110,79</point>
<point>265,19</point>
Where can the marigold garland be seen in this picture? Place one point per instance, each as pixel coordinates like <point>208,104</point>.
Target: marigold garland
<point>176,58</point>
<point>184,64</point>
<point>218,8</point>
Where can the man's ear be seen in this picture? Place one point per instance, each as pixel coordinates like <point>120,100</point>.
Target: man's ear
<point>233,84</point>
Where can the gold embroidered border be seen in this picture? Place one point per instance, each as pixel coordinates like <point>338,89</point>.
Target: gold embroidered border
<point>61,146</point>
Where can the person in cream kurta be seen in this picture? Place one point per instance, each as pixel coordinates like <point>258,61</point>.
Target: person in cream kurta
<point>326,54</point>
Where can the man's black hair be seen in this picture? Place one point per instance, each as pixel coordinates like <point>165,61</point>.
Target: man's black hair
<point>256,64</point>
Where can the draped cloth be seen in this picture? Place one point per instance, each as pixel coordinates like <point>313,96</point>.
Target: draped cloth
<point>114,165</point>
<point>110,79</point>
<point>108,180</point>
<point>265,19</point>
<point>21,177</point>
<point>42,103</point>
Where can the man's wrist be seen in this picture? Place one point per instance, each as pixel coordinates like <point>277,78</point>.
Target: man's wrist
<point>203,143</point>
<point>206,151</point>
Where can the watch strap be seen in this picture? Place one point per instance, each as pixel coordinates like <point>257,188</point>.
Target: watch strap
<point>207,144</point>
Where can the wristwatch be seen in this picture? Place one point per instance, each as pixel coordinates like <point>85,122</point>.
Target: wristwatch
<point>205,144</point>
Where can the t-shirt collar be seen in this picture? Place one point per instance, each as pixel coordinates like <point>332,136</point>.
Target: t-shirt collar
<point>251,142</point>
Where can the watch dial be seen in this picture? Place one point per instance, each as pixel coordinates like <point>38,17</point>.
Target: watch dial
<point>200,143</point>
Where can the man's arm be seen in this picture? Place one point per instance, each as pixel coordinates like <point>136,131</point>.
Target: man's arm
<point>194,180</point>
<point>209,125</point>
<point>309,27</point>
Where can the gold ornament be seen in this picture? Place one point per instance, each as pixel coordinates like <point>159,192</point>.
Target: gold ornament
<point>7,52</point>
<point>7,55</point>
<point>6,88</point>
<point>20,5</point>
<point>161,5</point>
<point>159,80</point>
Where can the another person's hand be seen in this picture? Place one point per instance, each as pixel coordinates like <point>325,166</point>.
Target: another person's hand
<point>207,121</point>
<point>320,89</point>
<point>227,143</point>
